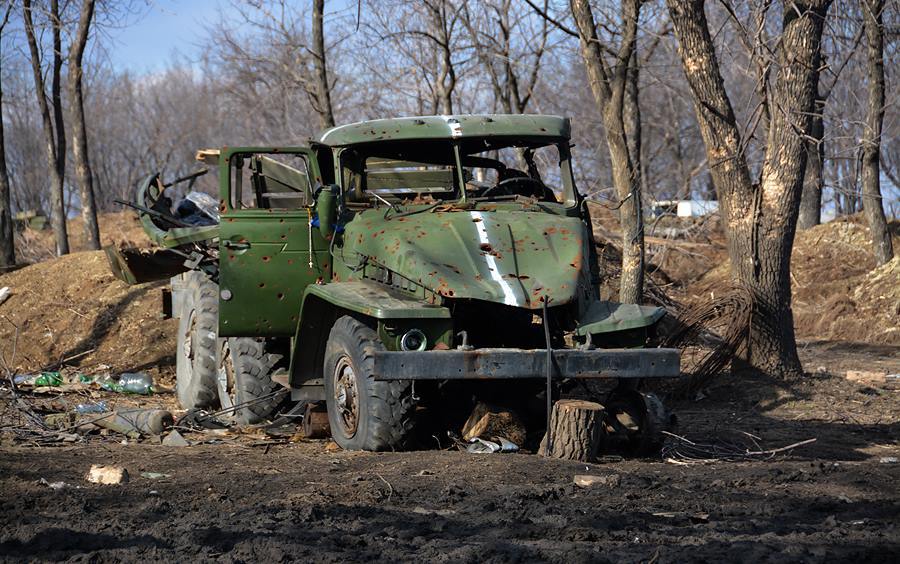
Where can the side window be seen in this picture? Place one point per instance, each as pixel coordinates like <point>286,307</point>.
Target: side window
<point>276,181</point>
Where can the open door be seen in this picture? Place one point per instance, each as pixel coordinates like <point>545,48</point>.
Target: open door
<point>268,253</point>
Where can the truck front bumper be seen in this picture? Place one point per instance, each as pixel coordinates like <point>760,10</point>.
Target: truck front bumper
<point>500,364</point>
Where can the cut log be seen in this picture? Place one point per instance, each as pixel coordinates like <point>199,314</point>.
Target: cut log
<point>487,421</point>
<point>576,430</point>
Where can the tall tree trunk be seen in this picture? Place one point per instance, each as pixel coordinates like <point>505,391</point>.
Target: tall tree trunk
<point>323,88</point>
<point>79,128</point>
<point>811,199</point>
<point>51,137</point>
<point>7,241</point>
<point>760,219</point>
<point>871,156</point>
<point>608,88</point>
<point>631,119</point>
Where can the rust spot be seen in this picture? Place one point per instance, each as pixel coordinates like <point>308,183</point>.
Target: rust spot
<point>486,247</point>
<point>476,219</point>
<point>262,284</point>
<point>231,257</point>
<point>281,220</point>
<point>290,261</point>
<point>280,296</point>
<point>266,259</point>
<point>518,277</point>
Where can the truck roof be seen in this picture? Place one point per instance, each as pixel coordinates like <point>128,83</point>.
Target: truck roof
<point>447,127</point>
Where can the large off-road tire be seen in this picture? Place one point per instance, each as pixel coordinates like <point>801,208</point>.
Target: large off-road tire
<point>245,370</point>
<point>196,353</point>
<point>364,414</point>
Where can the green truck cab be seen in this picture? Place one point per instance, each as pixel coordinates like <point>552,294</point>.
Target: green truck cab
<point>386,255</point>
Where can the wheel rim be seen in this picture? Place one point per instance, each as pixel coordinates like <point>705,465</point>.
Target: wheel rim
<point>225,378</point>
<point>346,396</point>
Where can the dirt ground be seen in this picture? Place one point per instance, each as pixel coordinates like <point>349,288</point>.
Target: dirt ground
<point>252,497</point>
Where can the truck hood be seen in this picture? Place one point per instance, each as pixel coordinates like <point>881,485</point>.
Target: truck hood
<point>512,257</point>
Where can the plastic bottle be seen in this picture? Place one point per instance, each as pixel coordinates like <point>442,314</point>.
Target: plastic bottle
<point>136,383</point>
<point>97,407</point>
<point>42,379</point>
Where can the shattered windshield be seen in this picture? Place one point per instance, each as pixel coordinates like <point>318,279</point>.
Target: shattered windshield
<point>491,169</point>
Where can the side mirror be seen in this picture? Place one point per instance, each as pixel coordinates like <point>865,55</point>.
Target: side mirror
<point>327,199</point>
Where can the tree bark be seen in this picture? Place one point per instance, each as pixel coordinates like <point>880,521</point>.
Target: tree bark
<point>576,431</point>
<point>760,218</point>
<point>608,88</point>
<point>7,240</point>
<point>79,128</point>
<point>871,156</point>
<point>323,87</point>
<point>51,135</point>
<point>811,199</point>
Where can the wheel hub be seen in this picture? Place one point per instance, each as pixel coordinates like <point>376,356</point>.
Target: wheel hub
<point>346,396</point>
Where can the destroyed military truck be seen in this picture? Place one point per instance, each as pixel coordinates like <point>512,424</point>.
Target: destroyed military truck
<point>384,264</point>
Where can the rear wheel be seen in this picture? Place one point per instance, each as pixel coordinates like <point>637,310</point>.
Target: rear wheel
<point>196,355</point>
<point>244,379</point>
<point>364,413</point>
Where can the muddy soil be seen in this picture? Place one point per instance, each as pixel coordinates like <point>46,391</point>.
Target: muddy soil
<point>241,498</point>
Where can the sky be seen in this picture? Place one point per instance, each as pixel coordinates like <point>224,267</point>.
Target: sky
<point>162,30</point>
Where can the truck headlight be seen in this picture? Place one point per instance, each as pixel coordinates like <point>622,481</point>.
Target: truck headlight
<point>413,340</point>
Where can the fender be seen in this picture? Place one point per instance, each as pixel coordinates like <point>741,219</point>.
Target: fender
<point>323,304</point>
<point>608,317</point>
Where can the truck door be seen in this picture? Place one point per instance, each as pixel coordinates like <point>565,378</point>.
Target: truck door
<point>267,251</point>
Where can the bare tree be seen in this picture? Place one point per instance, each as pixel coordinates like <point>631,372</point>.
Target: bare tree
<point>760,217</point>
<point>54,131</point>
<point>832,66</point>
<point>871,159</point>
<point>80,154</point>
<point>608,85</point>
<point>426,39</point>
<point>509,49</point>
<point>7,244</point>
<point>323,87</point>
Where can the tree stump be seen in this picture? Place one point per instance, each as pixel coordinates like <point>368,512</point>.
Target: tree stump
<point>576,430</point>
<point>488,421</point>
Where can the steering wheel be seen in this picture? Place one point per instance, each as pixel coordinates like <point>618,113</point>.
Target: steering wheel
<point>518,186</point>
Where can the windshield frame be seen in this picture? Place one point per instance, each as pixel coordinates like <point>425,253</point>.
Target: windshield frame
<point>460,149</point>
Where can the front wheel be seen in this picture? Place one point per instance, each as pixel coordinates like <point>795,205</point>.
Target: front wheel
<point>364,413</point>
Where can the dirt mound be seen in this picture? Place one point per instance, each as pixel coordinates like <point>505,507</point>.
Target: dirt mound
<point>838,293</point>
<point>70,311</point>
<point>115,227</point>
